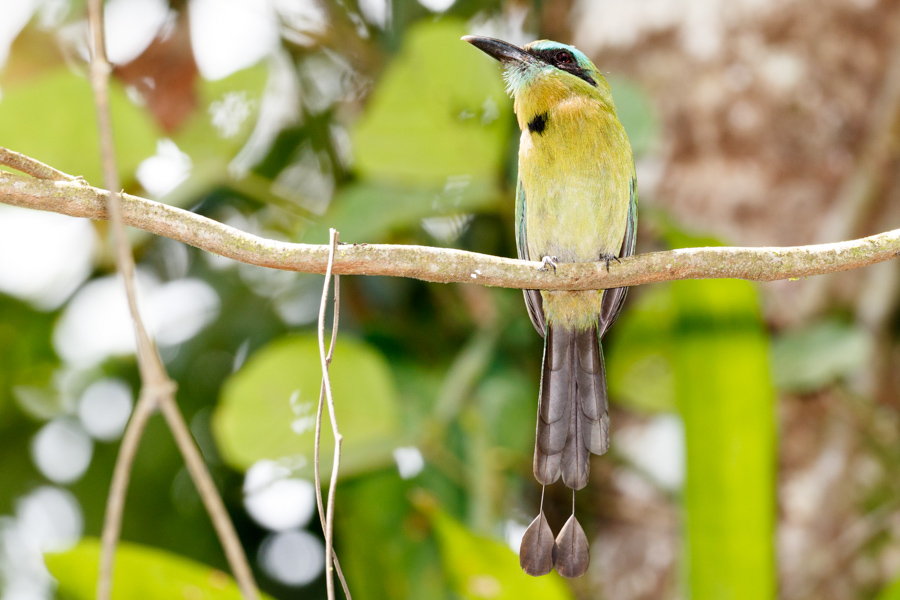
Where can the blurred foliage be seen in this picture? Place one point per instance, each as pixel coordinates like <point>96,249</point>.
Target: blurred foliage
<point>636,113</point>
<point>360,212</point>
<point>892,592</point>
<point>67,139</point>
<point>700,347</point>
<point>268,408</point>
<point>482,568</point>
<point>439,110</point>
<point>141,573</point>
<point>417,146</point>
<point>726,399</point>
<point>808,359</point>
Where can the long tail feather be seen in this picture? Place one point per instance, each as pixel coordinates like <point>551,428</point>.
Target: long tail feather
<point>591,391</point>
<point>573,414</point>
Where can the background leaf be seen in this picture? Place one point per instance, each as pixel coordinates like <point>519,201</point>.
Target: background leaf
<point>439,111</point>
<point>701,346</point>
<point>34,121</point>
<point>636,112</point>
<point>480,568</point>
<point>368,213</point>
<point>811,358</point>
<point>141,573</point>
<point>267,409</point>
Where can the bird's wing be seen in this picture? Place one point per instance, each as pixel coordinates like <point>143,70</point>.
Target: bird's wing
<point>614,298</point>
<point>532,297</point>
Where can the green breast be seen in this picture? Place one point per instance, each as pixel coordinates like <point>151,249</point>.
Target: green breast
<point>576,167</point>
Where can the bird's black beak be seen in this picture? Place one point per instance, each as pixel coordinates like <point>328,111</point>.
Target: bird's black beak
<point>502,51</point>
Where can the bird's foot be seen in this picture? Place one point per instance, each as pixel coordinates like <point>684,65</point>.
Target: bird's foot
<point>609,257</point>
<point>549,261</point>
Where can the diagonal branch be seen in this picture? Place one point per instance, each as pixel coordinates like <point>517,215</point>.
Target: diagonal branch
<point>443,265</point>
<point>35,168</point>
<point>158,390</point>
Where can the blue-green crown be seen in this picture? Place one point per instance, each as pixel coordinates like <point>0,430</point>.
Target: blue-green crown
<point>548,54</point>
<point>545,49</point>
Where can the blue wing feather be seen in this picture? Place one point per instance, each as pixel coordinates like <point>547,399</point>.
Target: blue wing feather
<point>532,297</point>
<point>614,299</point>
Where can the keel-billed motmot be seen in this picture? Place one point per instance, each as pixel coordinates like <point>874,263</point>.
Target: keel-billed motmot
<point>576,201</point>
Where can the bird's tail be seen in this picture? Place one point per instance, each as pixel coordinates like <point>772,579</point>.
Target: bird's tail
<point>573,413</point>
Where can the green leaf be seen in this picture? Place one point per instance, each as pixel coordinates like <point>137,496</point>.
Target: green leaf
<point>268,408</point>
<point>510,421</point>
<point>481,568</point>
<point>219,127</point>
<point>27,359</point>
<point>370,213</point>
<point>225,115</point>
<point>141,573</point>
<point>636,113</point>
<point>814,357</point>
<point>407,564</point>
<point>891,592</point>
<point>438,111</point>
<point>53,119</point>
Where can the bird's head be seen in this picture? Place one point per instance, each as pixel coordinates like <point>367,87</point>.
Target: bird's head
<point>545,68</point>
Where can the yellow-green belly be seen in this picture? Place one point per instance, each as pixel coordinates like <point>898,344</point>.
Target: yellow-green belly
<point>577,182</point>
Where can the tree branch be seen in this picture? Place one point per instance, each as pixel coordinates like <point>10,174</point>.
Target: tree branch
<point>77,199</point>
<point>35,168</point>
<point>158,390</point>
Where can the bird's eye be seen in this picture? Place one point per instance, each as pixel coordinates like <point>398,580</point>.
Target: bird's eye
<point>564,58</point>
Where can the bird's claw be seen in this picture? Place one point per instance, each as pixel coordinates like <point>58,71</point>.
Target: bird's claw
<point>609,257</point>
<point>549,261</point>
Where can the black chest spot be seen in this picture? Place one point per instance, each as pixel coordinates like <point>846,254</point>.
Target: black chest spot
<point>538,124</point>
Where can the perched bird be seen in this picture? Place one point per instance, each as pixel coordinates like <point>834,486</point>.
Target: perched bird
<point>576,201</point>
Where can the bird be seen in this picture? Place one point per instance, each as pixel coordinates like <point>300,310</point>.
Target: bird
<point>576,202</point>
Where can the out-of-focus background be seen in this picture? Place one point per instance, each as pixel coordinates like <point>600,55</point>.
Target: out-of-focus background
<point>755,449</point>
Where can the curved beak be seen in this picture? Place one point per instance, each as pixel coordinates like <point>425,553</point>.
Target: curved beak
<point>502,51</point>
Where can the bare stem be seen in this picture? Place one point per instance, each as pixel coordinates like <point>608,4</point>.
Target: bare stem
<point>158,390</point>
<point>152,372</point>
<point>228,537</point>
<point>318,436</point>
<point>445,265</point>
<point>326,384</point>
<point>35,168</point>
<point>118,489</point>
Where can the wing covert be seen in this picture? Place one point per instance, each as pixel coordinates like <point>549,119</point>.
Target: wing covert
<point>613,299</point>
<point>532,297</point>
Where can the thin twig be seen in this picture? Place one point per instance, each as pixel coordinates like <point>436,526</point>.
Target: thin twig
<point>153,376</point>
<point>30,166</point>
<point>318,436</point>
<point>152,372</point>
<point>206,487</point>
<point>446,265</point>
<point>158,390</point>
<point>115,504</point>
<point>326,383</point>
